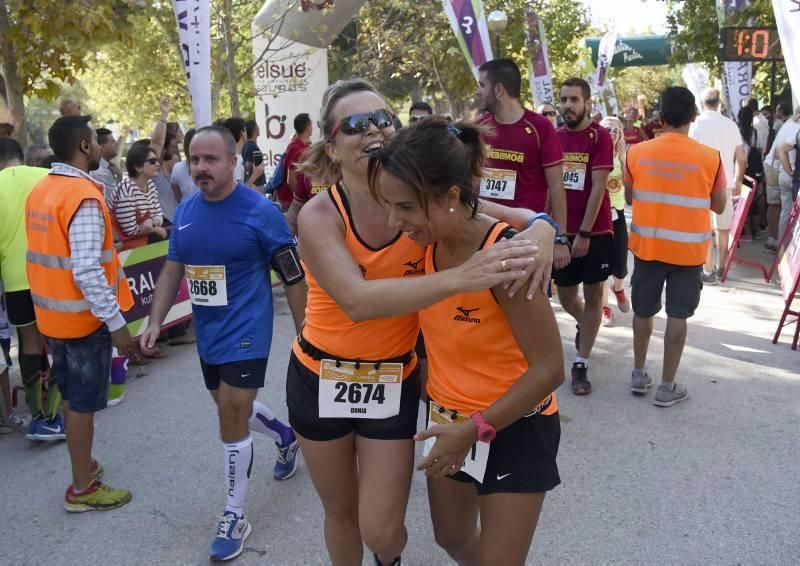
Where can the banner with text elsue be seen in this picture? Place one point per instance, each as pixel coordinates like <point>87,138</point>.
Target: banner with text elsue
<point>787,18</point>
<point>540,72</point>
<point>194,32</point>
<point>469,24</point>
<point>738,75</point>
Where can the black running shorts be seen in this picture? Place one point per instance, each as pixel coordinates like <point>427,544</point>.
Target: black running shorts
<point>522,458</point>
<point>19,306</point>
<point>302,398</point>
<point>619,247</point>
<point>594,267</point>
<point>245,374</point>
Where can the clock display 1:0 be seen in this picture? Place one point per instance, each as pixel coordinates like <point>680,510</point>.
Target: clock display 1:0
<point>752,44</point>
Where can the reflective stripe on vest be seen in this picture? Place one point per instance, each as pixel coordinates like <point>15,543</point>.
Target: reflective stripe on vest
<point>59,262</point>
<point>59,305</point>
<point>675,200</point>
<point>672,235</point>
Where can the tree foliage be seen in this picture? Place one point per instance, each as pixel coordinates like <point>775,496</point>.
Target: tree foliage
<point>409,50</point>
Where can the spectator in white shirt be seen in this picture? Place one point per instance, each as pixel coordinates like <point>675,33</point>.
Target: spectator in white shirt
<point>760,124</point>
<point>715,130</point>
<point>782,158</point>
<point>181,179</point>
<point>107,173</point>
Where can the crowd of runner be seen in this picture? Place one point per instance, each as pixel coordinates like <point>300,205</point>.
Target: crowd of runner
<point>417,263</point>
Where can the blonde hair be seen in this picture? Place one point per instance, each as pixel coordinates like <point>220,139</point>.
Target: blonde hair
<point>317,163</point>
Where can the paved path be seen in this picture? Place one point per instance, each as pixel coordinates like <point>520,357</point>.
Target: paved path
<point>712,480</point>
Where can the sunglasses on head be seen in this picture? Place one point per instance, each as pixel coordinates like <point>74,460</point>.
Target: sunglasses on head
<point>152,161</point>
<point>359,123</point>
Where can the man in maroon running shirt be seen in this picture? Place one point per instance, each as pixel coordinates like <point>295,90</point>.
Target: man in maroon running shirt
<point>588,159</point>
<point>524,153</point>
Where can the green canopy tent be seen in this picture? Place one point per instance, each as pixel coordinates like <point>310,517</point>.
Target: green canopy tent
<point>648,50</point>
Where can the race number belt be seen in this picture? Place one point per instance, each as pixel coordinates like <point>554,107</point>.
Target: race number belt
<point>498,183</point>
<point>207,285</point>
<point>478,456</point>
<point>574,175</point>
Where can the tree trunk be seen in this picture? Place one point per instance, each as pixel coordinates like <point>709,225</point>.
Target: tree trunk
<point>230,57</point>
<point>14,95</point>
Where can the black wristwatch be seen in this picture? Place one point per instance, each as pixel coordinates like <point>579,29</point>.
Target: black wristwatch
<point>562,240</point>
<point>584,234</point>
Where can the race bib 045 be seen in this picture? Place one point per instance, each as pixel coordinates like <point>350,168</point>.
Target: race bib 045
<point>207,285</point>
<point>477,457</point>
<point>498,183</point>
<point>364,392</point>
<point>574,176</point>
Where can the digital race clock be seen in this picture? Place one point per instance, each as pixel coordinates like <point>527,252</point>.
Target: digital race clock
<point>750,44</point>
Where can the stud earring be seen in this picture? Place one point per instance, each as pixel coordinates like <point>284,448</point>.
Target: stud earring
<point>451,210</point>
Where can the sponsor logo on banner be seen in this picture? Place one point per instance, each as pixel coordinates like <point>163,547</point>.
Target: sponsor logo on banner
<point>194,33</point>
<point>289,82</point>
<point>468,21</point>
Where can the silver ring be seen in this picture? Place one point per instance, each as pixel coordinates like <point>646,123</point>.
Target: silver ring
<point>504,265</point>
<point>436,460</point>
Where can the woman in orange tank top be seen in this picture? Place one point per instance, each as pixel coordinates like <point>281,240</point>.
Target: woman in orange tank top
<point>494,361</point>
<point>352,385</point>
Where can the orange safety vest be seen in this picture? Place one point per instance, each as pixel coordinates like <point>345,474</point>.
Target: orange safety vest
<point>61,309</point>
<point>673,176</point>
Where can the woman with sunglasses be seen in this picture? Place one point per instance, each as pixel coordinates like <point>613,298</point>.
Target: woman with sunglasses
<point>352,384</point>
<point>137,210</point>
<point>619,246</point>
<point>494,361</point>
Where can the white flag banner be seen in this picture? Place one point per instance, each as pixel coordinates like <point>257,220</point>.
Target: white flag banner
<point>541,74</point>
<point>194,32</point>
<point>738,83</point>
<point>697,80</point>
<point>605,53</point>
<point>787,18</point>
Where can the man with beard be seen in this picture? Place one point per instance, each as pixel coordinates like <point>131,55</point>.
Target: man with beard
<point>229,285</point>
<point>524,165</point>
<point>79,292</point>
<point>588,160</point>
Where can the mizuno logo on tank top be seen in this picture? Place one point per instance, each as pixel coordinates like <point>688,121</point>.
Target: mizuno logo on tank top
<point>465,315</point>
<point>415,268</point>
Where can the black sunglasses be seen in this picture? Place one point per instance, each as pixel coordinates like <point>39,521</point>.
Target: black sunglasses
<point>152,161</point>
<point>549,113</point>
<point>359,123</point>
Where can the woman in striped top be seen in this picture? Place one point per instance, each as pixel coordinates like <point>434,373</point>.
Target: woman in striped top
<point>135,205</point>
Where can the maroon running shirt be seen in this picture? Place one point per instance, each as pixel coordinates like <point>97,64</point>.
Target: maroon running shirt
<point>585,151</point>
<point>518,155</point>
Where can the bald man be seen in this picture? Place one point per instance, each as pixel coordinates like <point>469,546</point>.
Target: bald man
<point>715,130</point>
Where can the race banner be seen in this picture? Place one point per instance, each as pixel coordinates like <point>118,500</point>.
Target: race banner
<point>469,24</point>
<point>787,18</point>
<point>697,80</point>
<point>540,72</point>
<point>738,75</point>
<point>194,32</point>
<point>142,266</point>
<point>604,56</point>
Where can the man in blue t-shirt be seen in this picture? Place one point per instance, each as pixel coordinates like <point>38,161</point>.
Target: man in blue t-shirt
<point>224,240</point>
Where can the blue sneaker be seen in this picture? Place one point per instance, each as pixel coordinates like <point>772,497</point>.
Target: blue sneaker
<point>286,465</point>
<point>231,534</point>
<point>45,430</point>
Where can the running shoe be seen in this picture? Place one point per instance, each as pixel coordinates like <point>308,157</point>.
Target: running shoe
<point>286,465</point>
<point>580,379</point>
<point>232,531</point>
<point>640,382</point>
<point>396,562</point>
<point>45,430</point>
<point>668,394</point>
<point>622,300</point>
<point>710,278</point>
<point>608,317</point>
<point>14,423</point>
<point>97,497</point>
<point>97,471</point>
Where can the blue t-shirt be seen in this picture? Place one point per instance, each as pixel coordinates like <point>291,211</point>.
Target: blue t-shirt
<point>227,248</point>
